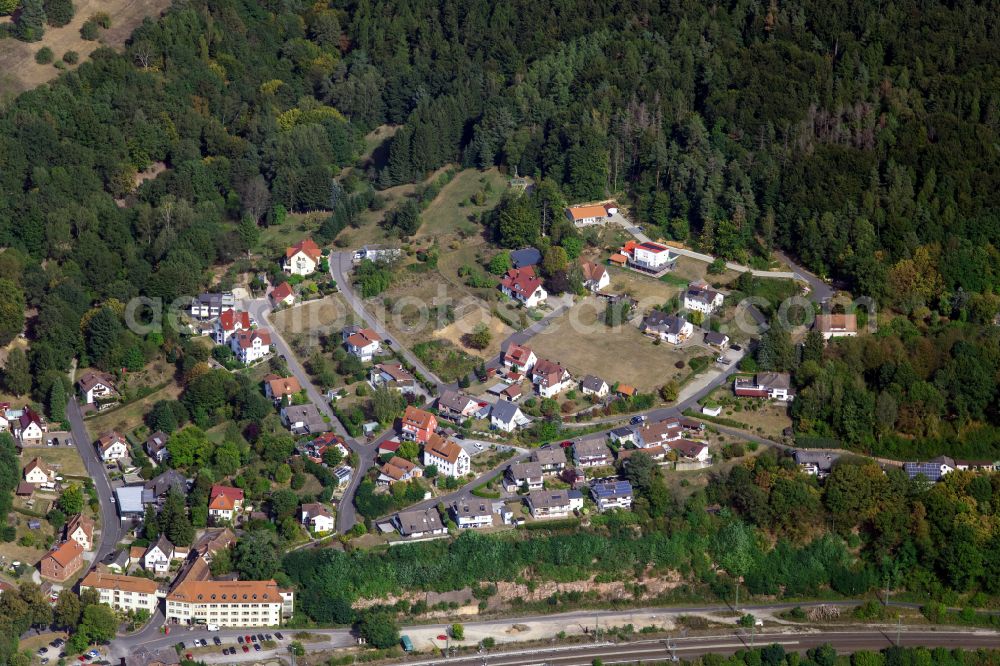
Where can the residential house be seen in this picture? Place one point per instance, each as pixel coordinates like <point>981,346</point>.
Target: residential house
<point>773,385</point>
<point>524,286</point>
<point>662,433</point>
<point>387,447</point>
<point>815,463</point>
<point>523,475</point>
<point>472,513</point>
<point>626,391</point>
<point>525,257</point>
<point>97,387</point>
<point>251,346</point>
<point>60,563</point>
<point>225,503</point>
<point>228,324</point>
<point>519,358</point>
<point>281,390</point>
<point>611,494</point>
<point>450,458</point>
<point>716,339</point>
<point>304,419</point>
<point>507,416</point>
<point>551,459</point>
<point>651,257</point>
<point>30,428</point>
<point>622,435</point>
<point>553,503</point>
<point>131,502</point>
<point>700,298</point>
<point>456,406</point>
<point>283,294</point>
<point>688,450</point>
<point>417,523</point>
<point>511,393</point>
<point>667,327</point>
<point>593,385</point>
<point>159,486</point>
<point>211,305</point>
<point>550,378</point>
<point>362,342</point>
<point>592,453</point>
<point>112,446</point>
<point>123,593</point>
<point>116,563</point>
<point>396,470</point>
<point>417,424</point>
<point>711,409</point>
<point>302,258</point>
<point>934,470</point>
<point>582,216</point>
<point>239,603</point>
<point>657,453</point>
<point>966,465</point>
<point>394,376</point>
<point>595,276</point>
<point>315,449</point>
<point>80,528</point>
<point>342,475</point>
<point>156,446</point>
<point>836,325</point>
<point>212,542</point>
<point>158,556</point>
<point>38,473</point>
<point>317,518</point>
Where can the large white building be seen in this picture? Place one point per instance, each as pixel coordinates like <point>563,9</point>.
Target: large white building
<point>699,298</point>
<point>245,603</point>
<point>302,258</point>
<point>652,256</point>
<point>450,458</point>
<point>124,593</point>
<point>251,346</point>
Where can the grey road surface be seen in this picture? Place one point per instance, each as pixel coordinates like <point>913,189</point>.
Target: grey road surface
<point>111,529</point>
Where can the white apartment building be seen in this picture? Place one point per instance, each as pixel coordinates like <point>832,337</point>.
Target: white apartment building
<point>125,593</point>
<point>249,603</point>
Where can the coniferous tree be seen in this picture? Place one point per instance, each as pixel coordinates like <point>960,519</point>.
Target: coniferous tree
<point>30,24</point>
<point>58,12</point>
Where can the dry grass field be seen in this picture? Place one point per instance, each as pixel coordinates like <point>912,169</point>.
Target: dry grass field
<point>323,316</point>
<point>20,72</point>
<point>580,342</point>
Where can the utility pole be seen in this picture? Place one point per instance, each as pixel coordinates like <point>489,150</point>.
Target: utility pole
<point>899,627</point>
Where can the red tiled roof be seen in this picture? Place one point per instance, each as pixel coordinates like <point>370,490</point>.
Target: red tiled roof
<point>418,418</point>
<point>281,292</point>
<point>583,212</point>
<point>522,281</point>
<point>517,354</point>
<point>245,338</point>
<point>306,247</point>
<point>224,497</point>
<point>229,319</point>
<point>66,552</point>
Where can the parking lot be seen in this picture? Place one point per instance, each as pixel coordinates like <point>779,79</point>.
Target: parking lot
<point>230,645</point>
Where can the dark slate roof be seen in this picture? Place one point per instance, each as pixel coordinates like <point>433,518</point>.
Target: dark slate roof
<point>527,256</point>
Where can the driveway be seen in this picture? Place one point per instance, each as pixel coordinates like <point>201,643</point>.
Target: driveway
<point>111,529</point>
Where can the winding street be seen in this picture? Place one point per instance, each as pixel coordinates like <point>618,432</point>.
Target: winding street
<point>111,529</point>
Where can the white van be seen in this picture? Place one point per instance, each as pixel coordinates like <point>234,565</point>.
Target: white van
<point>213,627</point>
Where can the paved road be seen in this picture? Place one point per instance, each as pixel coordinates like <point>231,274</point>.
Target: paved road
<point>111,529</point>
<point>346,513</point>
<point>341,264</point>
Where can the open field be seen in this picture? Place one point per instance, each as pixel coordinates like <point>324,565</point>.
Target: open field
<point>582,343</point>
<point>451,208</point>
<point>275,238</point>
<point>647,290</point>
<point>324,316</point>
<point>124,419</point>
<point>467,324</point>
<point>20,72</point>
<point>63,459</point>
<point>764,417</point>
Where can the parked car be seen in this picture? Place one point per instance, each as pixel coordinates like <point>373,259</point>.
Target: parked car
<point>245,648</point>
<point>239,639</point>
<point>637,419</point>
<point>217,640</point>
<point>256,646</point>
<point>279,636</point>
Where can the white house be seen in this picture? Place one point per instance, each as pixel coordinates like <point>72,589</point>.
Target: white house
<point>450,458</point>
<point>699,298</point>
<point>667,327</point>
<point>228,323</point>
<point>251,346</point>
<point>96,386</point>
<point>611,494</point>
<point>158,556</point>
<point>418,523</point>
<point>592,385</point>
<point>524,286</point>
<point>302,258</point>
<point>29,428</point>
<point>524,475</point>
<point>377,253</point>
<point>283,294</point>
<point>652,256</point>
<point>711,409</point>
<point>688,450</point>
<point>773,385</point>
<point>553,503</point>
<point>38,472</point>
<point>361,342</point>
<point>317,518</point>
<point>582,216</point>
<point>112,446</point>
<point>550,378</point>
<point>507,416</point>
<point>211,305</point>
<point>595,276</point>
<point>519,358</point>
<point>473,513</point>
<point>394,376</point>
<point>124,593</point>
<point>156,446</point>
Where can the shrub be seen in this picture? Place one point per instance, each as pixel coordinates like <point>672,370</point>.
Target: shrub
<point>44,56</point>
<point>89,30</point>
<point>71,57</point>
